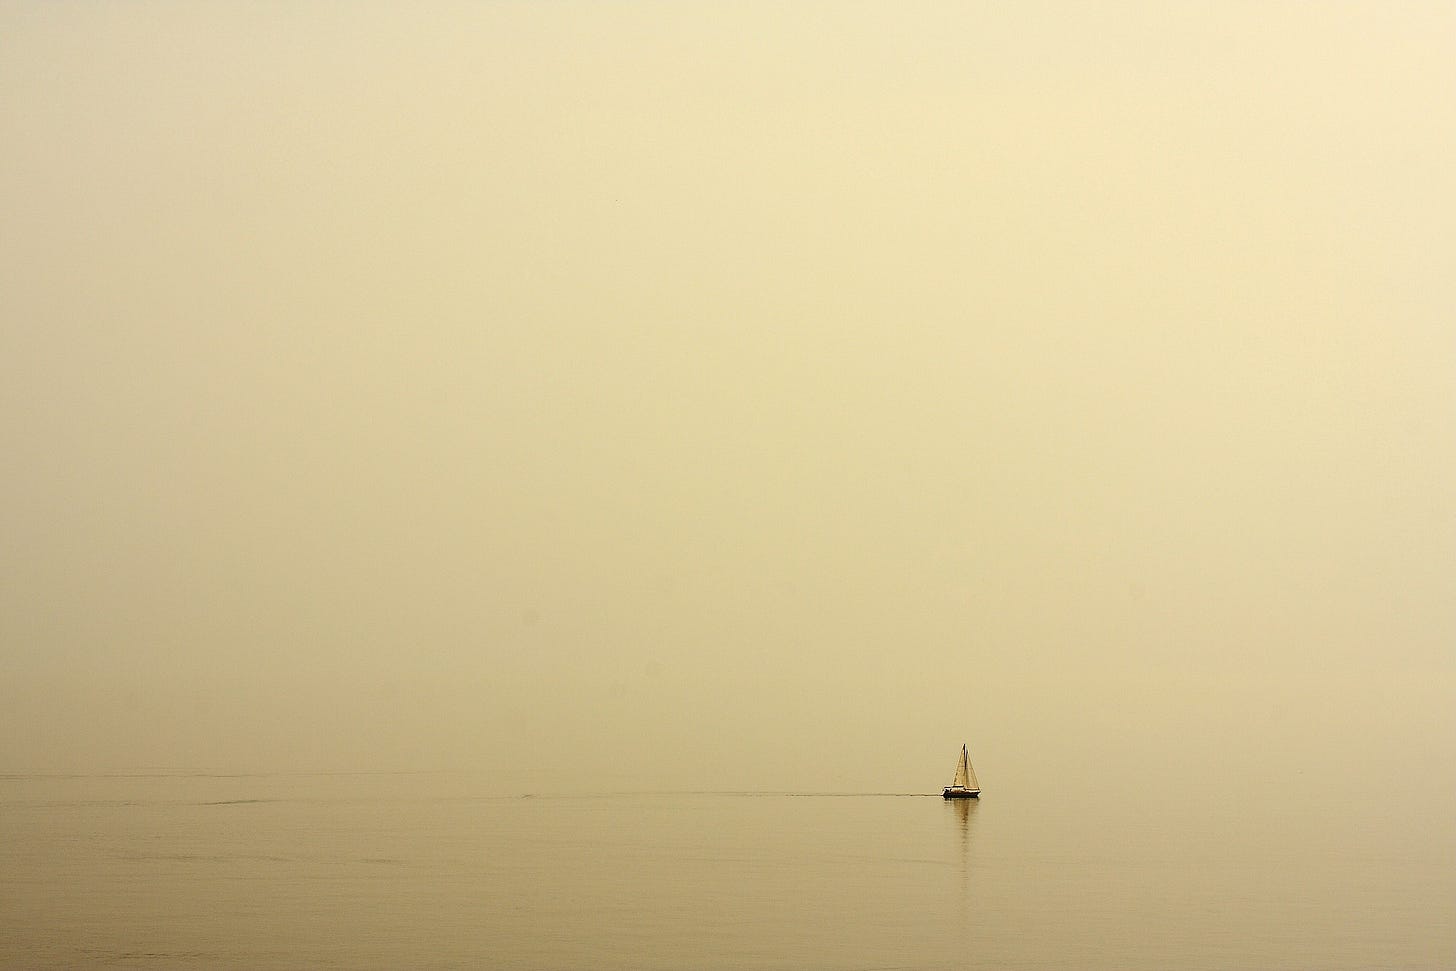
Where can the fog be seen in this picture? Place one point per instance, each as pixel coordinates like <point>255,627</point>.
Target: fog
<point>734,396</point>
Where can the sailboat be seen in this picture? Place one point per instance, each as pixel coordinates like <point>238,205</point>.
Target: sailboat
<point>965,785</point>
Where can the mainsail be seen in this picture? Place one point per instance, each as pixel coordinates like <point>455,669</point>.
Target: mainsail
<point>965,777</point>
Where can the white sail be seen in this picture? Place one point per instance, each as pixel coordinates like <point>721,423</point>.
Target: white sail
<point>965,776</point>
<point>971,782</point>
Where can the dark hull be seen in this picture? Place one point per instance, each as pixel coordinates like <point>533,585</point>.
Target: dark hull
<point>961,794</point>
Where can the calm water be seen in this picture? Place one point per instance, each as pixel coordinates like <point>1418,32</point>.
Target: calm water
<point>423,871</point>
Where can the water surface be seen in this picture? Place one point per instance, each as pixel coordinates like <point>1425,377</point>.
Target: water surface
<point>359,871</point>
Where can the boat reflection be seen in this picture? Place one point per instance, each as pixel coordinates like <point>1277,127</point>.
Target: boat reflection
<point>964,812</point>
<point>963,820</point>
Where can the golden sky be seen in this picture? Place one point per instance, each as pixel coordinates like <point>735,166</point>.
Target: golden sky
<point>640,387</point>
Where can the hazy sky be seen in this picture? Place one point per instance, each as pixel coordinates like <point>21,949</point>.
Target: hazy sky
<point>740,395</point>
